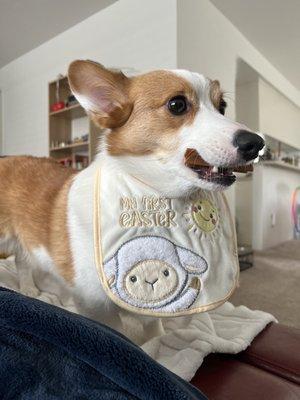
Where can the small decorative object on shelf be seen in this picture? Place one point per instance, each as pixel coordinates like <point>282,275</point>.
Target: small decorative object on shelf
<point>58,105</point>
<point>83,138</point>
<point>80,162</point>
<point>71,101</point>
<point>66,162</point>
<point>281,152</point>
<point>77,161</point>
<point>76,142</point>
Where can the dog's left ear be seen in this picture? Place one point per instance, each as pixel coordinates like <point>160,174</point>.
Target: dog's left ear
<point>102,92</point>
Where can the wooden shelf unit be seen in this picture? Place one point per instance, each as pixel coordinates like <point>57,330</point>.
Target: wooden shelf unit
<point>61,146</point>
<point>69,146</point>
<point>280,164</point>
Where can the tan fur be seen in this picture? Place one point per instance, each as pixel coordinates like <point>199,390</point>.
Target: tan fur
<point>216,94</point>
<point>124,104</point>
<point>33,207</point>
<point>102,86</point>
<point>149,95</point>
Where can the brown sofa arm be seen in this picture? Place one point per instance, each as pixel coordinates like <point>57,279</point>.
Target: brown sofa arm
<point>276,350</point>
<point>223,377</point>
<point>268,369</point>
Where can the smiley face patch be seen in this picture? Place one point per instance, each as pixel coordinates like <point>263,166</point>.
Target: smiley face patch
<point>202,216</point>
<point>205,215</point>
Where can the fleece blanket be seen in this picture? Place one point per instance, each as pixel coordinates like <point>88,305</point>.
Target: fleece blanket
<point>48,353</point>
<point>179,344</point>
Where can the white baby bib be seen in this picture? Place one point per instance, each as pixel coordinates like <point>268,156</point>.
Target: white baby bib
<point>162,256</point>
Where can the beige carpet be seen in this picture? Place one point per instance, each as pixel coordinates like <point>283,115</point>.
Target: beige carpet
<point>273,283</point>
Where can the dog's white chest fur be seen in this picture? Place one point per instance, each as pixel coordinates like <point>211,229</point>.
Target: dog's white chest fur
<point>88,290</point>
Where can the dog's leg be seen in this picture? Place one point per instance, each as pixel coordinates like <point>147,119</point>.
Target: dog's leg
<point>26,282</point>
<point>103,311</point>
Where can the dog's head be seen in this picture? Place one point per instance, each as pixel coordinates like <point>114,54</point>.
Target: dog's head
<point>152,120</point>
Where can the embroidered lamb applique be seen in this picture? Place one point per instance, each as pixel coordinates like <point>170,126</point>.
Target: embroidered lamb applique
<point>151,272</point>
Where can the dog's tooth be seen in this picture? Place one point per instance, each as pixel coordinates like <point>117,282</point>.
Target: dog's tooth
<point>215,169</point>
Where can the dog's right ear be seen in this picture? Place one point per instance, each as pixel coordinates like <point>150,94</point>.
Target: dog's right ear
<point>103,93</point>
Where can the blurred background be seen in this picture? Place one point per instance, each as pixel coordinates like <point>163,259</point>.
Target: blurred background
<point>252,47</point>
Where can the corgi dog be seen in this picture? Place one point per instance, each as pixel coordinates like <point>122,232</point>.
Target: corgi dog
<point>154,123</point>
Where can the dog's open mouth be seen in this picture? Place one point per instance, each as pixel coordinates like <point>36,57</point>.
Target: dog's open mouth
<point>219,175</point>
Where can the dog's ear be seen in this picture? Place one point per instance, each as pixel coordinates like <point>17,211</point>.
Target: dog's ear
<point>103,93</point>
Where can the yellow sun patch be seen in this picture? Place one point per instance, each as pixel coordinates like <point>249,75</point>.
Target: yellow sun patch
<point>202,216</point>
<point>205,215</point>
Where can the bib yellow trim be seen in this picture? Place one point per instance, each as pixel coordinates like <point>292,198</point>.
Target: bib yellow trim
<point>99,264</point>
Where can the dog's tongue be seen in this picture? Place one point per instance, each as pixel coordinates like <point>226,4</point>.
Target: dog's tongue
<point>194,160</point>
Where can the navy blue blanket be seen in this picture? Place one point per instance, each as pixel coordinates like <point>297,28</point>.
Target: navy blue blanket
<point>49,353</point>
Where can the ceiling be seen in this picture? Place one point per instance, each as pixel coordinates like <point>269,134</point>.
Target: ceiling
<point>273,27</point>
<point>25,24</point>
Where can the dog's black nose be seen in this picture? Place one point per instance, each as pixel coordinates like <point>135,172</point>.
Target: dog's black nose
<point>248,144</point>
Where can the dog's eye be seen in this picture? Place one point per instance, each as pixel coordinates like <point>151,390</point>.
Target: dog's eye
<point>222,107</point>
<point>166,272</point>
<point>199,208</point>
<point>177,105</point>
<point>133,278</point>
<point>211,216</point>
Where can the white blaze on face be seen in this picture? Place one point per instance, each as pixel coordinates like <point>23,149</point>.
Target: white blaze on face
<point>211,133</point>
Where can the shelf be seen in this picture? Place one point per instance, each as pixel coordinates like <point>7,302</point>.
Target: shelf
<point>70,146</point>
<point>64,125</point>
<point>280,164</point>
<point>62,78</point>
<point>72,112</point>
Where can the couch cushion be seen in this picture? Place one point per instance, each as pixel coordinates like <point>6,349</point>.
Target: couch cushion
<point>277,350</point>
<point>226,378</point>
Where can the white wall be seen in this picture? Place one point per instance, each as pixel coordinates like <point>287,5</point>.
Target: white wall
<point>243,214</point>
<point>247,104</point>
<point>129,33</point>
<point>272,193</point>
<point>209,43</point>
<point>261,107</point>
<point>272,113</point>
<point>1,123</point>
<point>278,116</point>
